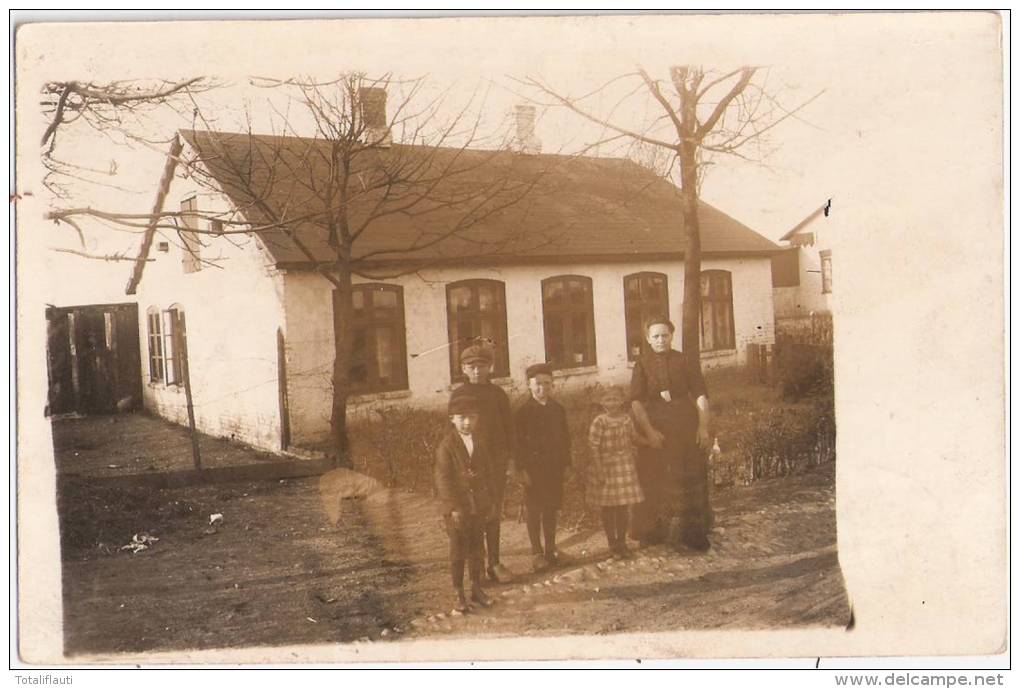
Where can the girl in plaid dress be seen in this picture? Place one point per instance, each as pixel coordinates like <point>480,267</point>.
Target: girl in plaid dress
<point>612,438</point>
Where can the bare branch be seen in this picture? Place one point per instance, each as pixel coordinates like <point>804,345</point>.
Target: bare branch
<point>653,87</point>
<point>746,74</point>
<point>98,257</point>
<point>58,118</point>
<point>572,105</point>
<point>708,87</point>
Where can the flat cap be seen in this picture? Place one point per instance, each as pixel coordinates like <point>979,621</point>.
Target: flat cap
<point>477,352</point>
<point>463,403</point>
<point>538,369</point>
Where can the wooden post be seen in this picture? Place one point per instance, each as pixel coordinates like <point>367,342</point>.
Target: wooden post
<point>181,345</point>
<point>72,329</point>
<point>281,356</point>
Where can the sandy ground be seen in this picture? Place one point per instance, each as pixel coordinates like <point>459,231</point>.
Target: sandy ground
<point>122,445</point>
<point>336,558</point>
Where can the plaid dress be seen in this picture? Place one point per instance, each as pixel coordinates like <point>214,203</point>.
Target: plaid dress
<point>613,452</point>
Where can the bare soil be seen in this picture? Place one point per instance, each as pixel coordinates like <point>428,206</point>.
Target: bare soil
<point>338,559</point>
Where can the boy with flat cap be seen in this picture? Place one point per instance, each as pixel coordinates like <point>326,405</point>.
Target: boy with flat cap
<point>543,456</point>
<point>462,487</point>
<point>495,429</point>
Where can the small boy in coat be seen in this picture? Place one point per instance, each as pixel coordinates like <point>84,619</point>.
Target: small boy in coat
<point>495,428</point>
<point>463,489</point>
<point>543,457</point>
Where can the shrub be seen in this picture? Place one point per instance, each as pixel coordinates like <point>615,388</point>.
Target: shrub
<point>804,370</point>
<point>815,329</point>
<point>803,356</point>
<point>397,445</point>
<point>760,434</point>
<point>765,431</point>
<point>778,441</point>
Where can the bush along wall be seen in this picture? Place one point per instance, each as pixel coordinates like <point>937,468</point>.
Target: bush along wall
<point>760,432</point>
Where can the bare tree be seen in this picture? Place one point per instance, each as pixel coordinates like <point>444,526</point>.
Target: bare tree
<point>364,192</point>
<point>702,114</point>
<point>116,108</point>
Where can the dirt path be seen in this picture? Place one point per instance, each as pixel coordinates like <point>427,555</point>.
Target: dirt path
<point>295,562</point>
<point>274,571</point>
<point>773,564</point>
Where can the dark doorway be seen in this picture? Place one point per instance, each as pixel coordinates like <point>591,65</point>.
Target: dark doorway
<point>93,358</point>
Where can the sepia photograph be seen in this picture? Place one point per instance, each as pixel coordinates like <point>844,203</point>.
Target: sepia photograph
<point>366,333</point>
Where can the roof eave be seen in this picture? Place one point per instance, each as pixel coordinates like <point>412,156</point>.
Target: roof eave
<point>799,226</point>
<point>557,259</point>
<point>169,168</point>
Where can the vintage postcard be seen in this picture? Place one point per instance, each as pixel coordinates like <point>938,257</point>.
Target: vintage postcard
<point>510,338</point>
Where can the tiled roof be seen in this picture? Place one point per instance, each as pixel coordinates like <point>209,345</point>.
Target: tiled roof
<point>564,207</point>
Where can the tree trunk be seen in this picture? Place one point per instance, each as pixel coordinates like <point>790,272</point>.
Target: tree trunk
<point>691,326</point>
<point>343,311</point>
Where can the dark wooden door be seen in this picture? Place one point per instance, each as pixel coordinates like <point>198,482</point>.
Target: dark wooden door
<point>94,358</point>
<point>96,372</point>
<point>127,355</point>
<point>59,362</point>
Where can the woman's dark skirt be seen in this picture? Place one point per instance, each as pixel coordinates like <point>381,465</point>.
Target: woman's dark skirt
<point>675,482</point>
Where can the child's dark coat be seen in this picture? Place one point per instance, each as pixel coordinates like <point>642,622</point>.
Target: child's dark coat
<point>543,450</point>
<point>463,481</point>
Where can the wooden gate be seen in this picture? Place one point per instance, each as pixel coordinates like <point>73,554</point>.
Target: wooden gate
<point>93,358</point>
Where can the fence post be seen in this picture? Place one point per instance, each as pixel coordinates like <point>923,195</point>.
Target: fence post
<point>281,363</point>
<point>181,345</point>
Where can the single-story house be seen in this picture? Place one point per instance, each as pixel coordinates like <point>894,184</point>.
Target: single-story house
<point>259,316</point>
<point>802,271</point>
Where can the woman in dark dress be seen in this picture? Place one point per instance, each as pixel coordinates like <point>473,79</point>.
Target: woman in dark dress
<point>670,405</point>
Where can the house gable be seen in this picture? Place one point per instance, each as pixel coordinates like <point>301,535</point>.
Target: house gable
<point>231,295</point>
<point>172,192</point>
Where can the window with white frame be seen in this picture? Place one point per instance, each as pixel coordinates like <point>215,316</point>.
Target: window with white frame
<point>476,312</point>
<point>826,257</point>
<point>157,370</point>
<point>379,351</point>
<point>717,311</point>
<point>644,295</point>
<point>165,336</point>
<point>569,321</point>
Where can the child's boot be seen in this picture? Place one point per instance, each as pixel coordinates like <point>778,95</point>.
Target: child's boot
<point>478,594</point>
<point>539,563</point>
<point>460,603</point>
<point>556,559</point>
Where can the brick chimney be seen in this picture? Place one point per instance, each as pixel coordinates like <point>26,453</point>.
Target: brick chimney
<point>372,100</point>
<point>525,140</point>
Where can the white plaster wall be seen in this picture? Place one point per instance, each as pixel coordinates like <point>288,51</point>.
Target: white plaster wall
<point>807,297</point>
<point>310,337</point>
<point>232,315</point>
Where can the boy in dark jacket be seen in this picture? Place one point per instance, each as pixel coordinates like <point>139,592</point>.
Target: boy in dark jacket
<point>543,456</point>
<point>463,489</point>
<point>495,429</point>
